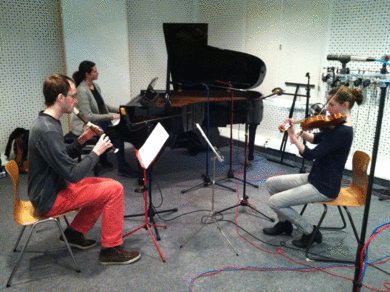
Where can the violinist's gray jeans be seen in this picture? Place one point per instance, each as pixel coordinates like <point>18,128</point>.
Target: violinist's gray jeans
<point>293,190</point>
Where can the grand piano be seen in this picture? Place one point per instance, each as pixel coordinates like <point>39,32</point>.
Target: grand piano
<point>201,79</point>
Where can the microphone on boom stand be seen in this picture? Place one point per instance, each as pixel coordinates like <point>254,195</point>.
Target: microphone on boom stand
<point>275,91</point>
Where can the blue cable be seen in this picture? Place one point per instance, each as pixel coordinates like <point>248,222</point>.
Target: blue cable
<point>279,268</point>
<point>383,61</point>
<point>366,253</point>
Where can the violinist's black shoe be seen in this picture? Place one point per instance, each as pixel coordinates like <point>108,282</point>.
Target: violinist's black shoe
<point>304,241</point>
<point>279,228</point>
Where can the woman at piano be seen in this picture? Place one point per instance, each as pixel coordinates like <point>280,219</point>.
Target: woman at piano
<point>92,105</point>
<point>324,180</point>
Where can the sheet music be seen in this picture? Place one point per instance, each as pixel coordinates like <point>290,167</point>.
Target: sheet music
<point>219,156</point>
<point>156,140</point>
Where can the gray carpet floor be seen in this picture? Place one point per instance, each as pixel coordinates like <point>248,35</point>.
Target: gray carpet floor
<point>191,243</point>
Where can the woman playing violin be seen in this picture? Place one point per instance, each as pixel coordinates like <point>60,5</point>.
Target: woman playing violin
<point>324,180</point>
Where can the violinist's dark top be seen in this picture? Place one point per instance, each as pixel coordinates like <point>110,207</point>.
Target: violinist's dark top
<point>330,156</point>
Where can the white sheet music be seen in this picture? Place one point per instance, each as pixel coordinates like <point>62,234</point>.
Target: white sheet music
<point>148,152</point>
<point>218,155</point>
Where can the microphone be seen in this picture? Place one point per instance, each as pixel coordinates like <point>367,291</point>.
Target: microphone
<point>277,91</point>
<point>347,58</point>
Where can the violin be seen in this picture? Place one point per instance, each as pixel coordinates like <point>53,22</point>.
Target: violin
<point>318,122</point>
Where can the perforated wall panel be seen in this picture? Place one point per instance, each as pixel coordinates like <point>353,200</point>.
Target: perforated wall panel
<point>362,28</point>
<point>31,49</point>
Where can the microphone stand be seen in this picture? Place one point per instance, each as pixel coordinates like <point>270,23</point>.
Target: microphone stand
<point>206,177</point>
<point>358,266</point>
<point>244,200</point>
<point>303,169</point>
<point>230,173</point>
<point>285,136</point>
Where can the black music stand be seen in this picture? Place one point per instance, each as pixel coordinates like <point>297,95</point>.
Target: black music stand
<point>150,210</point>
<point>244,200</point>
<point>285,135</point>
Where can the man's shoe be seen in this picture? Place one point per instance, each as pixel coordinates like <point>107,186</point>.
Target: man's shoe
<point>304,241</point>
<point>279,228</point>
<point>127,172</point>
<point>117,256</point>
<point>76,239</point>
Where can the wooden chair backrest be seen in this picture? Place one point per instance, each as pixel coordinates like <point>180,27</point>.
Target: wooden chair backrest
<point>360,164</point>
<point>13,171</point>
<point>359,169</point>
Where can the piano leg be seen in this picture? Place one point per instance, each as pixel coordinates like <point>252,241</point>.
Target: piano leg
<point>251,143</point>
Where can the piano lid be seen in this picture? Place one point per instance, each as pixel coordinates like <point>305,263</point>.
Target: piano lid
<point>191,60</point>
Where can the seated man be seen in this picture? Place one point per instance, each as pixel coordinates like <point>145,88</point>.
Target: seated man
<point>57,183</point>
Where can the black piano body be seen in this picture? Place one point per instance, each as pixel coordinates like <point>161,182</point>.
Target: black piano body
<point>202,77</point>
<point>186,109</point>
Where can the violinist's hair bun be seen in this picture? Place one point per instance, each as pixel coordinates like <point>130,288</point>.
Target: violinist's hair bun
<point>358,95</point>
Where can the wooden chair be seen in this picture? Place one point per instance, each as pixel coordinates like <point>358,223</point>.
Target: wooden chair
<point>351,196</point>
<point>24,215</point>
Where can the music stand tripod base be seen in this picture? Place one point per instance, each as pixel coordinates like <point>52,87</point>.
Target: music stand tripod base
<point>147,215</point>
<point>212,216</point>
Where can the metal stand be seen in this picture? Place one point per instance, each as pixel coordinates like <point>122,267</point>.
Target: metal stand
<point>285,136</point>
<point>358,266</point>
<point>212,214</point>
<point>244,200</point>
<point>230,173</point>
<point>206,178</point>
<point>149,212</point>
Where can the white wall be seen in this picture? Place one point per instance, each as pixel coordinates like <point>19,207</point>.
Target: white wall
<point>96,30</point>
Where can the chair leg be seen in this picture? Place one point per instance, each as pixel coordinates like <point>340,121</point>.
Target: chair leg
<point>28,240</point>
<point>315,233</point>
<point>325,258</point>
<point>21,253</point>
<point>67,245</point>
<point>337,228</point>
<point>352,224</point>
<point>66,220</point>
<point>303,209</point>
<point>19,238</point>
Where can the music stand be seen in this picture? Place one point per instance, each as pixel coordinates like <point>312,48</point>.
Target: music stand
<point>212,212</point>
<point>146,156</point>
